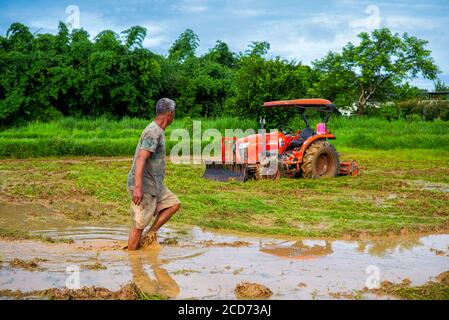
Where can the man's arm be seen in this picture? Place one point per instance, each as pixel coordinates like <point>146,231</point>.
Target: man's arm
<point>140,165</point>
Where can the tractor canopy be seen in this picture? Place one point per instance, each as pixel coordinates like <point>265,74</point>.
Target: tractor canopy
<point>320,105</point>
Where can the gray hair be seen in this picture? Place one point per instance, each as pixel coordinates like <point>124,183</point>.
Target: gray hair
<point>165,105</point>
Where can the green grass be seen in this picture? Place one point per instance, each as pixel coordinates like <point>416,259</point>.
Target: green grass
<point>437,289</point>
<point>389,196</point>
<point>15,234</point>
<point>428,291</point>
<point>102,137</point>
<point>399,158</point>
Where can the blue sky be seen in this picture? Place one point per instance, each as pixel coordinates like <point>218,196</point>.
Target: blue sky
<point>301,30</point>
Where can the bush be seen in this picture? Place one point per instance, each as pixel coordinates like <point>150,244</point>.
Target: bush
<point>426,109</point>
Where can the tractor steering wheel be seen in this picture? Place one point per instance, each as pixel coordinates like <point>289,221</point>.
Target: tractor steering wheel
<point>286,130</point>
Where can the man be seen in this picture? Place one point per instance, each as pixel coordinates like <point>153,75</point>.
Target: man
<point>151,199</point>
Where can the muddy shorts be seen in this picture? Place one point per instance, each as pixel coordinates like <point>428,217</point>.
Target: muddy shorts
<point>144,213</point>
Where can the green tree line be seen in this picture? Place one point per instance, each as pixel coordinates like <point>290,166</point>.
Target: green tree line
<point>46,76</point>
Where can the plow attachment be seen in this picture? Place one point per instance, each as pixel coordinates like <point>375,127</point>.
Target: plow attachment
<point>349,168</point>
<point>226,171</point>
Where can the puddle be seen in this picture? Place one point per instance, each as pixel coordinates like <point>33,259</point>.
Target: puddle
<point>432,186</point>
<point>204,264</point>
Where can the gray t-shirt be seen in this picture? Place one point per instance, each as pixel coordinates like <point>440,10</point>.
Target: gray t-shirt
<point>153,140</point>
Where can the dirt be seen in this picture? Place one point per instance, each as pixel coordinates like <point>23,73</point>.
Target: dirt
<point>95,266</point>
<point>149,241</point>
<point>342,295</point>
<point>169,241</point>
<point>432,289</point>
<point>127,292</point>
<point>247,290</point>
<point>443,278</point>
<point>211,243</point>
<point>27,265</point>
<point>185,272</point>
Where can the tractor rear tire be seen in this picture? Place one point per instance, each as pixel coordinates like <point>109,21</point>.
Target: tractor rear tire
<point>320,160</point>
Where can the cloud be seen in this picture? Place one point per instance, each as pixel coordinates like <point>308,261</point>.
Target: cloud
<point>295,29</point>
<point>248,12</point>
<point>370,22</point>
<point>93,22</point>
<point>191,6</point>
<point>157,34</point>
<point>405,22</point>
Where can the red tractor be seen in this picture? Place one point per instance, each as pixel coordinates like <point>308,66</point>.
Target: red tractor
<point>284,152</point>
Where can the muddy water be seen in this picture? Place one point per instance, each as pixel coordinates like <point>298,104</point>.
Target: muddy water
<point>204,264</point>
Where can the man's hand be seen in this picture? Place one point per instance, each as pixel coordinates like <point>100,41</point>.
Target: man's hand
<point>137,196</point>
<point>140,164</point>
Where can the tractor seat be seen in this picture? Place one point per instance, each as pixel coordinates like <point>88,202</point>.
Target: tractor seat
<point>303,136</point>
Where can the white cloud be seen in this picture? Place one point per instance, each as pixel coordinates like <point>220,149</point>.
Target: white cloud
<point>92,22</point>
<point>404,22</point>
<point>308,38</point>
<point>248,12</point>
<point>191,6</point>
<point>151,42</point>
<point>371,22</point>
<point>156,34</point>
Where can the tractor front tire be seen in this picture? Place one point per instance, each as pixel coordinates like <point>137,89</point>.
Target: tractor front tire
<point>320,160</point>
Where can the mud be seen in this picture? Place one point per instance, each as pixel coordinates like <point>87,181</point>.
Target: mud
<point>193,263</point>
<point>436,288</point>
<point>211,243</point>
<point>443,278</point>
<point>247,290</point>
<point>95,266</point>
<point>127,292</point>
<point>27,265</point>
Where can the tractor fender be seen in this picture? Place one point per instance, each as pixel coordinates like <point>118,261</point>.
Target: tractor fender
<point>311,140</point>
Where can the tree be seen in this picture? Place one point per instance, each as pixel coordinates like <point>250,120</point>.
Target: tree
<point>257,80</point>
<point>439,85</point>
<point>364,72</point>
<point>221,54</point>
<point>185,46</point>
<point>258,48</point>
<point>134,36</point>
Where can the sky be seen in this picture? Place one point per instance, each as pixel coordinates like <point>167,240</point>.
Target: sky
<point>300,30</point>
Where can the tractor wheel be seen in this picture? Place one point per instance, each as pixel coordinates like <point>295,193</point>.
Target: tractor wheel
<point>320,160</point>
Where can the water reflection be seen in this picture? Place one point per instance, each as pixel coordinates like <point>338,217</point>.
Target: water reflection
<point>384,246</point>
<point>300,250</point>
<point>161,283</point>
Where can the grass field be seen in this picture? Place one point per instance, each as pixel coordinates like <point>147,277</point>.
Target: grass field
<point>403,187</point>
<point>102,137</point>
<point>398,192</point>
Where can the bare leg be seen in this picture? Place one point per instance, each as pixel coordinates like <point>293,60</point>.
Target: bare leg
<point>134,239</point>
<point>163,217</point>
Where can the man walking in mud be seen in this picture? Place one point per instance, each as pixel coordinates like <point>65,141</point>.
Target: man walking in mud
<point>150,198</point>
